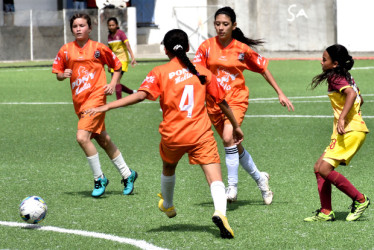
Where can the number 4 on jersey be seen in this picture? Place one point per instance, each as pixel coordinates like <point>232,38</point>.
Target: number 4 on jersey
<point>187,102</point>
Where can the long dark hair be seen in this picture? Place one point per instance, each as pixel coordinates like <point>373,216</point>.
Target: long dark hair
<point>176,42</point>
<point>237,33</point>
<point>338,53</point>
<point>80,15</point>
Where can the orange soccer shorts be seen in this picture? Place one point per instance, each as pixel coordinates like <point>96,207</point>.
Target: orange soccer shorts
<point>219,120</point>
<point>92,123</point>
<point>343,147</point>
<point>202,153</point>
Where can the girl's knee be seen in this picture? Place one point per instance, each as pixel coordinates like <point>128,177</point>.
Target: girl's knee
<point>82,139</point>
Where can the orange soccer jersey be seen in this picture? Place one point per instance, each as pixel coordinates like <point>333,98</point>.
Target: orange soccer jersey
<point>228,64</point>
<point>182,99</point>
<point>88,77</point>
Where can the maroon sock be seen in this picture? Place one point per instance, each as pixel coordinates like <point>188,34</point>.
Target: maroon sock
<point>344,185</point>
<point>127,90</point>
<point>119,91</point>
<point>324,191</point>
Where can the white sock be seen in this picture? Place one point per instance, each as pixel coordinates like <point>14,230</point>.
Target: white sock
<point>94,163</point>
<point>232,164</point>
<point>167,189</point>
<point>122,167</point>
<point>217,189</point>
<point>247,162</point>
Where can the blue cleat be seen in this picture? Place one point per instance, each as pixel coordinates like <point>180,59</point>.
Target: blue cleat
<point>129,182</point>
<point>99,188</point>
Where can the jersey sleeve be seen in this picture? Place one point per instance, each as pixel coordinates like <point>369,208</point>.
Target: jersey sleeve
<point>255,62</point>
<point>213,88</point>
<point>59,64</point>
<point>339,84</point>
<point>151,86</point>
<point>109,58</point>
<point>124,37</point>
<point>200,56</point>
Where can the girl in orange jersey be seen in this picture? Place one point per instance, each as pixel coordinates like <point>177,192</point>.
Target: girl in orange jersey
<point>120,45</point>
<point>227,55</point>
<point>83,62</point>
<point>348,135</point>
<point>186,127</point>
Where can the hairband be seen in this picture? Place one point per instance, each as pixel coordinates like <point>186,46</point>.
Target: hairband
<point>178,46</point>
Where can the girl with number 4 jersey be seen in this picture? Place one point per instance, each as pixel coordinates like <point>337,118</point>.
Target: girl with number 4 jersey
<point>186,128</point>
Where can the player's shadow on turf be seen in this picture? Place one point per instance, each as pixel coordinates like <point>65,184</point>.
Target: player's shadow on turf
<point>88,194</point>
<point>187,228</point>
<point>235,205</point>
<point>341,216</point>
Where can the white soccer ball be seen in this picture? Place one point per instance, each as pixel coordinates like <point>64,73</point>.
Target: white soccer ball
<point>33,209</point>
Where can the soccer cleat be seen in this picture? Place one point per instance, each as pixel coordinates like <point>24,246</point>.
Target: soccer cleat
<point>221,222</point>
<point>321,216</point>
<point>231,193</point>
<point>129,182</point>
<point>100,186</point>
<point>263,185</point>
<point>357,209</point>
<point>170,212</point>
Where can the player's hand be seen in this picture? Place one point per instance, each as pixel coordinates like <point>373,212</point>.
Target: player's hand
<point>133,62</point>
<point>283,100</point>
<point>108,89</point>
<point>238,135</point>
<point>340,126</point>
<point>93,111</point>
<point>68,73</point>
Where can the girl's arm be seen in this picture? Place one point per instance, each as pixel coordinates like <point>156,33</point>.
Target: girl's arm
<point>283,100</point>
<point>133,61</point>
<point>349,101</point>
<point>237,131</point>
<point>123,102</point>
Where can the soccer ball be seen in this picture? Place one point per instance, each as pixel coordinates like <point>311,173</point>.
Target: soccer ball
<point>33,209</point>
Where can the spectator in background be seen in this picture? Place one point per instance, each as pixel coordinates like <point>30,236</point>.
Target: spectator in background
<point>8,5</point>
<point>80,4</point>
<point>9,9</point>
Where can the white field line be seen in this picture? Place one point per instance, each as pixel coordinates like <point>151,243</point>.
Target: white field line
<point>25,69</point>
<point>50,68</point>
<point>257,100</point>
<point>33,68</point>
<point>51,103</point>
<point>294,99</point>
<point>359,68</point>
<point>299,116</point>
<point>137,243</point>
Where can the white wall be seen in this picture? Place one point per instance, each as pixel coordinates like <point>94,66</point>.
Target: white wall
<point>354,24</point>
<point>47,7</point>
<point>187,15</point>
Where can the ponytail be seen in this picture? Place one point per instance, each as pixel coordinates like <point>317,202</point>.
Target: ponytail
<point>338,53</point>
<point>176,42</point>
<point>238,35</point>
